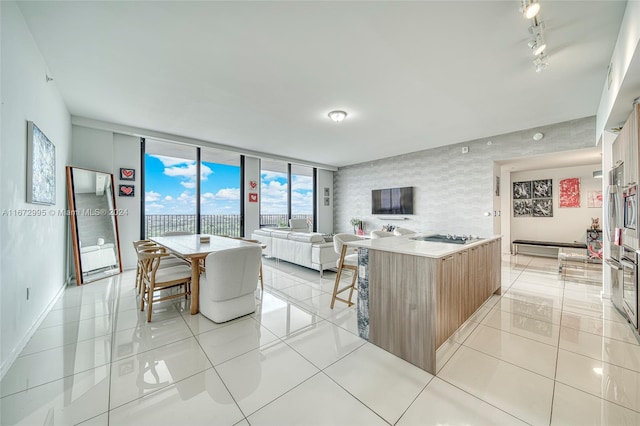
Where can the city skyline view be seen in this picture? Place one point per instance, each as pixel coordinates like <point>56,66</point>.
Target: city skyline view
<point>170,189</point>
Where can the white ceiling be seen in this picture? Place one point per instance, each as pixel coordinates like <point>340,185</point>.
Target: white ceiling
<point>263,75</point>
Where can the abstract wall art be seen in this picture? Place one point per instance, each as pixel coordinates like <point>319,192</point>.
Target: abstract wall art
<point>41,167</point>
<point>570,192</point>
<point>594,199</point>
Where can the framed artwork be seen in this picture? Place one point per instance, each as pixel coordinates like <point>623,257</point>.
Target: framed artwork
<point>127,174</point>
<point>253,185</point>
<point>522,208</point>
<point>542,207</point>
<point>326,201</point>
<point>497,186</point>
<point>253,197</point>
<point>594,199</point>
<point>521,190</point>
<point>542,188</point>
<point>326,192</point>
<point>41,167</point>
<point>127,191</point>
<point>570,192</point>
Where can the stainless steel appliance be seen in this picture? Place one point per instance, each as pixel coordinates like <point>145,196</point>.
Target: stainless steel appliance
<point>629,262</point>
<point>630,215</point>
<point>613,232</point>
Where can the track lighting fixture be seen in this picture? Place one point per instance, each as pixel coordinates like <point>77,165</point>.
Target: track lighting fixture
<point>530,8</point>
<point>541,63</point>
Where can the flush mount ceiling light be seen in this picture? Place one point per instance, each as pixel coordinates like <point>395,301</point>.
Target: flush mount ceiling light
<point>337,116</point>
<point>538,136</point>
<point>529,8</point>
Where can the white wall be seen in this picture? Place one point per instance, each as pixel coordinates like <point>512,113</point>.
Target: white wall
<point>33,248</point>
<point>452,191</point>
<point>621,59</point>
<point>567,224</point>
<point>107,152</point>
<point>325,213</point>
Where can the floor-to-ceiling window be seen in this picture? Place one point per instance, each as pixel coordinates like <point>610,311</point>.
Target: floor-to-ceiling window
<point>220,192</point>
<point>172,186</point>
<point>274,190</point>
<point>170,181</point>
<point>302,193</point>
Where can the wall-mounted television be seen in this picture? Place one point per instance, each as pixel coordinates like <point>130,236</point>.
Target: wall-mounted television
<point>392,201</point>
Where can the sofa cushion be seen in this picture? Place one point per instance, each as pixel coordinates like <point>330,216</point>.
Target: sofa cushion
<point>305,237</point>
<point>280,234</point>
<point>263,232</point>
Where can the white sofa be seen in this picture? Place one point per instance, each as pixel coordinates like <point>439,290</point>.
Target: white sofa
<point>302,248</point>
<point>97,257</point>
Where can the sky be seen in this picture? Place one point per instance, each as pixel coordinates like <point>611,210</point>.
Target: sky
<point>170,185</point>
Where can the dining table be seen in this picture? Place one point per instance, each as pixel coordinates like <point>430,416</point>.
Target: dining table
<point>195,248</point>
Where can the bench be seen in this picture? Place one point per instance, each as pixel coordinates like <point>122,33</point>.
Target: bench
<point>543,248</point>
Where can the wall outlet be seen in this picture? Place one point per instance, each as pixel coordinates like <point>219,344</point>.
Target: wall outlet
<point>465,149</point>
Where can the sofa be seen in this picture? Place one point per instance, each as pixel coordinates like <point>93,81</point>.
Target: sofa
<point>307,249</point>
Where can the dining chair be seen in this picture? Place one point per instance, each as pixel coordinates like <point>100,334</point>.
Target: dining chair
<point>228,283</point>
<point>262,247</point>
<point>156,278</point>
<point>349,262</point>
<point>167,262</point>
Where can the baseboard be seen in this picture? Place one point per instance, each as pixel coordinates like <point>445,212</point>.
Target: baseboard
<point>13,355</point>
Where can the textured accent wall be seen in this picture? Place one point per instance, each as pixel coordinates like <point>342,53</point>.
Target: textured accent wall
<point>451,190</point>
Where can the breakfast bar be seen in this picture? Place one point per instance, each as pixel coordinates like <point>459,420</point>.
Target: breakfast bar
<point>413,294</point>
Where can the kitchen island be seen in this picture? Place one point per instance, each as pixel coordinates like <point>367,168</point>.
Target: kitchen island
<point>413,295</point>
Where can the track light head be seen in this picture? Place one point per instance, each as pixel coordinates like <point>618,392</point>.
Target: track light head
<point>541,63</point>
<point>530,8</point>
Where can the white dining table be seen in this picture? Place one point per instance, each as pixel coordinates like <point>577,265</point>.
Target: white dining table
<point>192,248</point>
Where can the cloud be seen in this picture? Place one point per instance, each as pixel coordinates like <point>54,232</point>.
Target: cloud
<point>168,198</point>
<point>299,182</point>
<point>270,176</point>
<point>188,170</point>
<point>208,195</point>
<point>186,197</point>
<point>170,161</point>
<point>228,194</point>
<point>152,206</point>
<point>188,184</point>
<point>151,196</point>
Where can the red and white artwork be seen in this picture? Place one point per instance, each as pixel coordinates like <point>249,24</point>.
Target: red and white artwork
<point>253,197</point>
<point>570,192</point>
<point>594,199</point>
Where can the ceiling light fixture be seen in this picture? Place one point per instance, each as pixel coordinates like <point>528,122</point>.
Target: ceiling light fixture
<point>538,136</point>
<point>337,116</point>
<point>530,8</point>
<point>537,45</point>
<point>541,63</point>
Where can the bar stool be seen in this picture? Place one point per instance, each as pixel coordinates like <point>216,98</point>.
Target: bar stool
<point>349,262</point>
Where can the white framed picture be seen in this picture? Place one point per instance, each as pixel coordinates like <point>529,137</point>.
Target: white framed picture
<point>41,167</point>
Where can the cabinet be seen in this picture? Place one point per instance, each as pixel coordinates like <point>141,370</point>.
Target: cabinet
<point>452,290</point>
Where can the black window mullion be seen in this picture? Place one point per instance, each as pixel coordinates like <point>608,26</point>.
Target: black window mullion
<point>315,200</point>
<point>242,196</point>
<point>288,191</point>
<point>143,216</point>
<point>198,190</point>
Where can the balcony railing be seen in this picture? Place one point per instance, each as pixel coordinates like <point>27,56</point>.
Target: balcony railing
<point>215,224</point>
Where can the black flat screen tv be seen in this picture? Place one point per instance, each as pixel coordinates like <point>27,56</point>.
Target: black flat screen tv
<point>392,201</point>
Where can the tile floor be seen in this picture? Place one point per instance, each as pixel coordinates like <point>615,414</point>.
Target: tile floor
<point>547,351</point>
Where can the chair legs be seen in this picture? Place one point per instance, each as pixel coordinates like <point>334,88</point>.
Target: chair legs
<point>351,287</point>
<point>261,282</point>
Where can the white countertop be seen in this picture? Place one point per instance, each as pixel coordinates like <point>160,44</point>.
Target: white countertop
<point>405,245</point>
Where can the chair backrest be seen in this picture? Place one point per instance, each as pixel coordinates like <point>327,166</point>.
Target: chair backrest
<point>403,231</point>
<point>340,239</point>
<point>172,233</point>
<point>231,273</point>
<point>298,224</point>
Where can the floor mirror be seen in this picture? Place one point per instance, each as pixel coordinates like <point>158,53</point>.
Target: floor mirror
<point>94,226</point>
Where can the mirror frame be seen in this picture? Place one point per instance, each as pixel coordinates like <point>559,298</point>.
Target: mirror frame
<point>73,220</point>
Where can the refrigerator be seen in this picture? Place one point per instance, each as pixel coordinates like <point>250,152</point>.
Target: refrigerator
<point>613,231</point>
